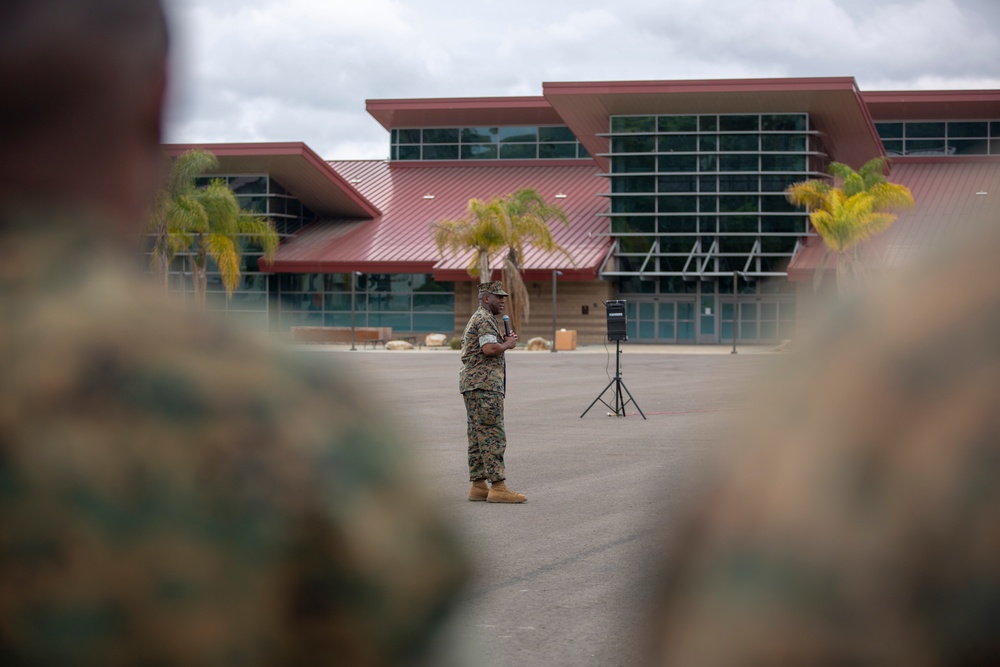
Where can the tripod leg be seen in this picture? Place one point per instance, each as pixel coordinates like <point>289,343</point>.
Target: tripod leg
<point>620,382</point>
<point>597,399</point>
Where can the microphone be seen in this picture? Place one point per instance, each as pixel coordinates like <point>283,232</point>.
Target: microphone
<point>506,325</point>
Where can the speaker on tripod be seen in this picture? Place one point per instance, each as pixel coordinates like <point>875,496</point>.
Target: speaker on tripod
<point>617,320</point>
<point>617,331</point>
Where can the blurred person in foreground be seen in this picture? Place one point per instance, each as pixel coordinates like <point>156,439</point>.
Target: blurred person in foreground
<point>171,492</point>
<point>857,519</point>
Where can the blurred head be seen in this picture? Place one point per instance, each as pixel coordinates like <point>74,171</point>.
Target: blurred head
<point>81,111</point>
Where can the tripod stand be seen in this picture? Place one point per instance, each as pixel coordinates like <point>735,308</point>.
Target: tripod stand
<point>620,404</point>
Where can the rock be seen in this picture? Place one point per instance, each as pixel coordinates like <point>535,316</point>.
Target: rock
<point>538,344</point>
<point>398,345</point>
<point>435,340</point>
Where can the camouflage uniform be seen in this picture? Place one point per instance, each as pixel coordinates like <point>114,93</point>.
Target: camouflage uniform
<point>482,382</point>
<point>172,493</point>
<point>858,521</point>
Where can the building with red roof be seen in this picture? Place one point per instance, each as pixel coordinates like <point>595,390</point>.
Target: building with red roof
<point>674,192</point>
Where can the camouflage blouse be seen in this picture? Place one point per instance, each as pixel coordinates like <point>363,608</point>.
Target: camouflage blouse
<point>176,493</point>
<point>478,370</point>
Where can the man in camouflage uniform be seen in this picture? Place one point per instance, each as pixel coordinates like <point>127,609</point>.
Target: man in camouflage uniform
<point>857,522</point>
<point>482,381</point>
<point>171,492</point>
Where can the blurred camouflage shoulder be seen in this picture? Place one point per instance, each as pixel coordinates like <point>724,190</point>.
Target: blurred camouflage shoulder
<point>174,492</point>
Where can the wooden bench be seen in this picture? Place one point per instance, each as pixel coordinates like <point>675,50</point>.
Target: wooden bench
<point>374,342</point>
<point>340,334</point>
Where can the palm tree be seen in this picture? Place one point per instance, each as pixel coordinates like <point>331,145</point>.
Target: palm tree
<point>206,220</point>
<point>509,223</point>
<point>845,215</point>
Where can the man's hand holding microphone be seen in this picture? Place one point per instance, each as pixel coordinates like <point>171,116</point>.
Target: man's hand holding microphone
<point>509,337</point>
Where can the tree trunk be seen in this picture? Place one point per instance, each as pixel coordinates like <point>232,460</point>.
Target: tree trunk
<point>199,275</point>
<point>484,267</point>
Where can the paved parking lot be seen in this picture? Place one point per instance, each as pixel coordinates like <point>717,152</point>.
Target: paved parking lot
<point>561,579</point>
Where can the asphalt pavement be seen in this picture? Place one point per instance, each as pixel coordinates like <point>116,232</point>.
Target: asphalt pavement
<point>564,578</point>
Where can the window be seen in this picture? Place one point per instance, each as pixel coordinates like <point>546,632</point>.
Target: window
<point>547,142</point>
<point>940,138</point>
<point>719,195</point>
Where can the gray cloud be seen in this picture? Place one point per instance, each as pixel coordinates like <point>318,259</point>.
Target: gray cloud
<point>270,70</point>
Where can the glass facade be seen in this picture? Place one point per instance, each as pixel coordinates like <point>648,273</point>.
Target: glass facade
<point>940,138</point>
<point>697,199</point>
<point>404,301</point>
<point>674,310</point>
<point>545,142</point>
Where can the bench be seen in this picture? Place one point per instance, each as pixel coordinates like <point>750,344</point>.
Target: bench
<point>340,334</point>
<point>374,342</point>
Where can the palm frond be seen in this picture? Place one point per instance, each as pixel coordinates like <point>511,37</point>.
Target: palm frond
<point>222,249</point>
<point>261,231</point>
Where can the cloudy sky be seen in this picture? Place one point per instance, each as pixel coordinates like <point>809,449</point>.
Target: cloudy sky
<point>301,70</point>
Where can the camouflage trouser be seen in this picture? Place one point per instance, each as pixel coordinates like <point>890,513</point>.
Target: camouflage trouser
<point>487,439</point>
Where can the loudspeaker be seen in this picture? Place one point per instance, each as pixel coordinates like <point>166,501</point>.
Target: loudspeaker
<point>617,320</point>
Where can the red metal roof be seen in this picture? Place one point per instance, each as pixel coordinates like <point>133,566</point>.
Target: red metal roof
<point>299,170</point>
<point>947,202</point>
<point>413,197</point>
<point>834,105</point>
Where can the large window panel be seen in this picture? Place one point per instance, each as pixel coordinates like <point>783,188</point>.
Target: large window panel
<point>480,135</point>
<point>739,123</point>
<point>440,136</point>
<point>556,133</point>
<point>738,163</point>
<point>783,142</point>
<point>518,151</point>
<point>633,124</point>
<point>633,225</point>
<point>675,163</point>
<point>633,164</point>
<point>925,130</point>
<point>634,144</point>
<point>518,134</point>
<point>677,123</point>
<point>433,302</point>
<point>441,152</point>
<point>738,142</point>
<point>783,122</point>
<point>479,152</point>
<point>633,184</point>
<point>679,143</point>
<point>556,151</point>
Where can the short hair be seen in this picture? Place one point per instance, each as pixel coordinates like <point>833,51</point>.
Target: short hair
<point>58,54</point>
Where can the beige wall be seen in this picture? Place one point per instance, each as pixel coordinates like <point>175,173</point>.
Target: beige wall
<point>571,297</point>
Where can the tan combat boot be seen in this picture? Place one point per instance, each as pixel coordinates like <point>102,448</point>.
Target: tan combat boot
<point>479,490</point>
<point>499,493</point>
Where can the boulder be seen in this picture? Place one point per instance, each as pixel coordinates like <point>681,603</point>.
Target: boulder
<point>538,344</point>
<point>398,345</point>
<point>435,340</point>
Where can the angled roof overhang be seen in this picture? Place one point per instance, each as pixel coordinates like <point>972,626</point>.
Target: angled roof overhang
<point>299,170</point>
<point>933,104</point>
<point>463,112</point>
<point>834,105</point>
